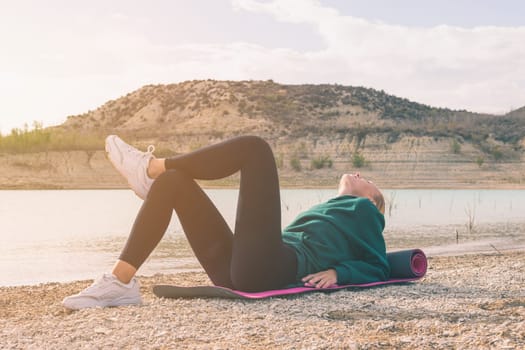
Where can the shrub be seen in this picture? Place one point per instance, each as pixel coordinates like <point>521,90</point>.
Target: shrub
<point>497,153</point>
<point>358,160</point>
<point>393,136</point>
<point>321,162</point>
<point>41,140</point>
<point>455,146</point>
<point>25,140</point>
<point>295,163</point>
<point>480,160</point>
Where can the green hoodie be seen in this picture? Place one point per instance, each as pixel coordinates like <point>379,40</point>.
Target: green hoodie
<point>344,234</point>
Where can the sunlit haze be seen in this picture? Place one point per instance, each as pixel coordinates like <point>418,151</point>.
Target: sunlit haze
<point>61,58</point>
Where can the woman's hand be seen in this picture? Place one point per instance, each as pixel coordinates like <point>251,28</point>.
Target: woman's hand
<point>323,279</point>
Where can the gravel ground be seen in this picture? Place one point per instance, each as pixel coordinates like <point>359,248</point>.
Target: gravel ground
<point>470,301</point>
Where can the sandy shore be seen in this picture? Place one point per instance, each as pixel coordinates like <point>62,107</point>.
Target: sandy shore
<point>471,301</point>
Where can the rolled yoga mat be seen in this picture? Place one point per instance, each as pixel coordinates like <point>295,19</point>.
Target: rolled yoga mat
<point>405,265</point>
<point>410,263</point>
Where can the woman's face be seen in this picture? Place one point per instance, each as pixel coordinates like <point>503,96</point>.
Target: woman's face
<point>355,185</point>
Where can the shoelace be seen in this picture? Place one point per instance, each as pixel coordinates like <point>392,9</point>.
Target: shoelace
<point>149,151</point>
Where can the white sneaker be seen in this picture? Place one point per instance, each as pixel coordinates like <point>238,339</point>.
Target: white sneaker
<point>104,292</point>
<point>131,163</point>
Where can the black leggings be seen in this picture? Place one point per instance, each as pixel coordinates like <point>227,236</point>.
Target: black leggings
<point>253,258</point>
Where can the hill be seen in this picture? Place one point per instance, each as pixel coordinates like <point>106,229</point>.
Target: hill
<point>317,132</point>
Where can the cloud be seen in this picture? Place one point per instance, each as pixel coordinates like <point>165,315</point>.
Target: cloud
<point>49,74</point>
<point>479,68</point>
<point>294,11</point>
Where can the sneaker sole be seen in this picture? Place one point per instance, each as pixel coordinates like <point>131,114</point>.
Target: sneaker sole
<point>124,302</point>
<point>113,303</point>
<point>112,147</point>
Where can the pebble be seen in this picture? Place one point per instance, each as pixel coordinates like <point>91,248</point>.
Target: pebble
<point>466,302</point>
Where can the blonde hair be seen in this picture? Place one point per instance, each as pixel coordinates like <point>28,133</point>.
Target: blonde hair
<point>379,201</point>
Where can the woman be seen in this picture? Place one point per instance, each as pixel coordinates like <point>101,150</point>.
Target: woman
<point>339,241</point>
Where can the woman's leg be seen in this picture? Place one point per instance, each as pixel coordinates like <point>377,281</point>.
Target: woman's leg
<point>175,190</point>
<point>259,258</point>
<point>254,258</point>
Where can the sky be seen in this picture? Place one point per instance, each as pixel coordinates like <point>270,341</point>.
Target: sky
<point>63,57</point>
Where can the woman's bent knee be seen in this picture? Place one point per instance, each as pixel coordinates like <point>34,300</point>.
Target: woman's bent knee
<point>256,142</point>
<point>256,147</point>
<point>168,182</point>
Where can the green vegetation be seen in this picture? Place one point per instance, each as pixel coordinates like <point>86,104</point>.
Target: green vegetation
<point>497,153</point>
<point>295,163</point>
<point>358,160</point>
<point>455,147</point>
<point>294,112</point>
<point>39,139</point>
<point>480,160</point>
<point>311,108</point>
<point>321,162</point>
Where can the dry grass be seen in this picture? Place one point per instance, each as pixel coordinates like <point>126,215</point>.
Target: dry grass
<point>40,140</point>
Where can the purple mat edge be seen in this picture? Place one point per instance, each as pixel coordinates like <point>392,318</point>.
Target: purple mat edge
<point>418,271</point>
<point>298,290</point>
<point>223,292</point>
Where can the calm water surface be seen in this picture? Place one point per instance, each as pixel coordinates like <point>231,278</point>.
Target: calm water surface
<point>68,235</point>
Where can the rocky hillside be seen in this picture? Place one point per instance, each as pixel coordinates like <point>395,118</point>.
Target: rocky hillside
<point>317,132</point>
<point>218,109</point>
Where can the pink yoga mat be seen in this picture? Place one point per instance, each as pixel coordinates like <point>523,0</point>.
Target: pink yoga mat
<point>406,266</point>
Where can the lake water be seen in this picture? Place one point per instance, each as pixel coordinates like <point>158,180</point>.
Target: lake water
<point>57,236</point>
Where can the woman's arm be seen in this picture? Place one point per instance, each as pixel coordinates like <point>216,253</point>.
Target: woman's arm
<point>358,271</point>
<point>322,279</point>
<point>350,271</point>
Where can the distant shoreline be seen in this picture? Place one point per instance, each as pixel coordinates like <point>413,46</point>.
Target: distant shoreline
<point>84,170</point>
